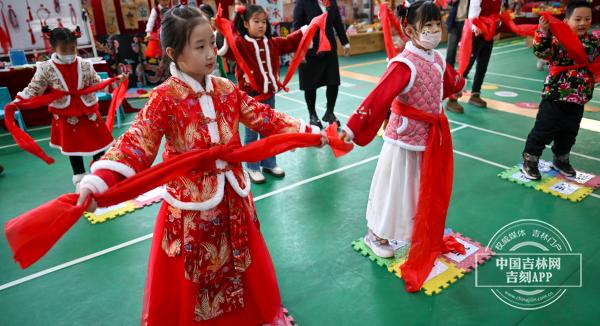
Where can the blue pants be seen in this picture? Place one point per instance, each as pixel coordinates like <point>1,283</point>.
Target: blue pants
<point>252,136</point>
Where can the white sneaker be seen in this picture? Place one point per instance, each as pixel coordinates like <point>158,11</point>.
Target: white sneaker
<point>77,180</point>
<point>256,176</point>
<point>380,248</point>
<point>276,171</point>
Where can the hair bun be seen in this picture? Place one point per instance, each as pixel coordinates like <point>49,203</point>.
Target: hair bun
<point>401,11</point>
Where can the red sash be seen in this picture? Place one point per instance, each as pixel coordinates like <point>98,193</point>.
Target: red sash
<point>435,188</point>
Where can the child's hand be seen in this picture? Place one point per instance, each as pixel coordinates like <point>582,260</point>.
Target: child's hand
<point>84,193</point>
<point>123,76</point>
<point>345,137</point>
<point>544,24</point>
<point>324,140</point>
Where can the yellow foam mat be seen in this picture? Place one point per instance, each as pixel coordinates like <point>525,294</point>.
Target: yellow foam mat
<point>443,274</point>
<point>104,214</point>
<point>565,190</point>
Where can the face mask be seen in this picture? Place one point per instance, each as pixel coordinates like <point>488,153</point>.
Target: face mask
<point>65,58</point>
<point>430,40</point>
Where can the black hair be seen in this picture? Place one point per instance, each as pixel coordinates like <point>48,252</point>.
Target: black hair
<point>207,10</point>
<point>176,27</point>
<point>61,35</point>
<point>241,17</point>
<point>418,13</point>
<point>574,4</point>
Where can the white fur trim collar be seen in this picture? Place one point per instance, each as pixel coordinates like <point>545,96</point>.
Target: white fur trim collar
<point>55,59</point>
<point>191,82</point>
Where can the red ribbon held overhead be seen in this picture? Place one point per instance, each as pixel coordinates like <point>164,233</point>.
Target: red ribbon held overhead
<point>319,23</point>
<point>25,141</point>
<point>488,27</point>
<point>32,234</point>
<point>389,20</point>
<point>575,50</point>
<point>435,188</point>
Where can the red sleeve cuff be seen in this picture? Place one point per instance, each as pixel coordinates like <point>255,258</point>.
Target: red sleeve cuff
<point>110,177</point>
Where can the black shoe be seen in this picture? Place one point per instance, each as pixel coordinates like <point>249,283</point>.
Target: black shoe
<point>314,120</point>
<point>562,165</point>
<point>530,167</point>
<point>1,169</point>
<point>330,118</point>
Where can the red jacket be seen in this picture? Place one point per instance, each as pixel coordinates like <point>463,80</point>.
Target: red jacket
<point>262,57</point>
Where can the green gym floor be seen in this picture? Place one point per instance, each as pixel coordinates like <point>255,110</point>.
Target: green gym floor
<point>95,275</point>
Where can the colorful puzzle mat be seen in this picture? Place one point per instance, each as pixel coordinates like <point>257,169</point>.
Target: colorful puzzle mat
<point>573,189</point>
<point>448,269</point>
<point>103,214</point>
<point>138,92</point>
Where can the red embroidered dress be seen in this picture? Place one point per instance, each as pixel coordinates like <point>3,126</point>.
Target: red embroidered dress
<point>208,261</point>
<point>77,127</point>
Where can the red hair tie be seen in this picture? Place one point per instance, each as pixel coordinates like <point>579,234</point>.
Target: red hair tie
<point>77,32</point>
<point>241,9</point>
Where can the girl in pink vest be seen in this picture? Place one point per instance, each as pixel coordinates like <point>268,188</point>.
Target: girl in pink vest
<point>416,79</point>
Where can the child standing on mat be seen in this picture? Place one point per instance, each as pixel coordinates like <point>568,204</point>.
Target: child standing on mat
<point>411,186</point>
<point>564,95</point>
<point>77,128</point>
<point>209,264</point>
<point>262,53</point>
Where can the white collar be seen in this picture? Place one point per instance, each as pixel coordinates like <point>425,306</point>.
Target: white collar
<point>191,82</point>
<point>251,39</point>
<point>55,59</point>
<point>428,55</point>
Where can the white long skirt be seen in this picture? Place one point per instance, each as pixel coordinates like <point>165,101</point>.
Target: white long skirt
<point>394,193</point>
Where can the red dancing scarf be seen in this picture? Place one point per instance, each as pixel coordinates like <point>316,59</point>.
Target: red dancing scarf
<point>27,143</point>
<point>32,234</point>
<point>435,188</point>
<point>571,42</point>
<point>488,26</point>
<point>389,20</point>
<point>153,48</point>
<point>319,22</point>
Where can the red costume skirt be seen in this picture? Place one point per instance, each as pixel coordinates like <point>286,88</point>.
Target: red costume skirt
<point>170,298</point>
<point>83,135</point>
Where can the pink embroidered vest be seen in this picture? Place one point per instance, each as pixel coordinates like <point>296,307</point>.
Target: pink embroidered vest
<point>424,92</point>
